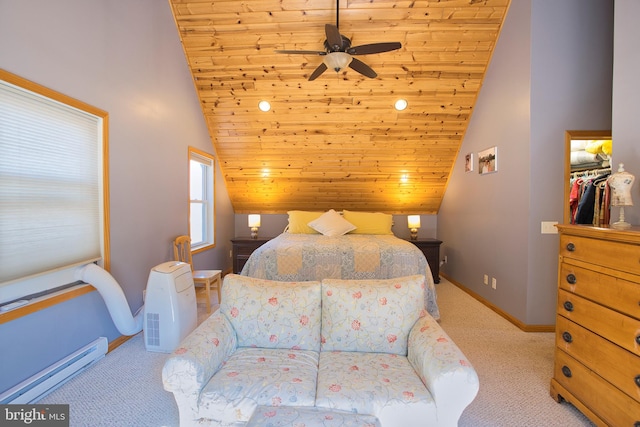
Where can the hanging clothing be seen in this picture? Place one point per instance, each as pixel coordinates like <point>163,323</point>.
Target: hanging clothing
<point>589,197</point>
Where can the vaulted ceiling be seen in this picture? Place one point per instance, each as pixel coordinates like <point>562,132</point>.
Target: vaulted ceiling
<point>337,142</point>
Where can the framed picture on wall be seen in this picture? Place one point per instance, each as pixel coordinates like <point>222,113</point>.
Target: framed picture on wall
<point>488,161</point>
<point>468,162</point>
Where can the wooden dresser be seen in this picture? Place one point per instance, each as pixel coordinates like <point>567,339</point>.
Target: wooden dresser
<point>597,356</point>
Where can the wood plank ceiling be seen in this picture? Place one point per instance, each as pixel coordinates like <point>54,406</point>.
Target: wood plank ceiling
<point>337,142</point>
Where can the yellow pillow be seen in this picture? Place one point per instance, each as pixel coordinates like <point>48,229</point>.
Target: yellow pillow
<point>298,221</point>
<point>369,223</point>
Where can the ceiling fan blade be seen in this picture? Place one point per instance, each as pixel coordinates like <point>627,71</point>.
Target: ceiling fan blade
<point>367,49</point>
<point>302,52</point>
<point>333,37</point>
<point>362,68</point>
<point>321,69</point>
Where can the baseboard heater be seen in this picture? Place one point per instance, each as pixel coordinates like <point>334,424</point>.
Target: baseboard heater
<point>44,382</point>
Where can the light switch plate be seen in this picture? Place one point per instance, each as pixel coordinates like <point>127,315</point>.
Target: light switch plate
<point>548,227</point>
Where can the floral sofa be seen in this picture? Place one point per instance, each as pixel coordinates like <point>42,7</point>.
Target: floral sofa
<point>329,349</point>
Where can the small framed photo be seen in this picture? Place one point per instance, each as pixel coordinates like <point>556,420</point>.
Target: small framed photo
<point>468,162</point>
<point>488,161</point>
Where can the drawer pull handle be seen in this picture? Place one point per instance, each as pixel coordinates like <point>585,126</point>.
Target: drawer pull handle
<point>638,339</point>
<point>566,371</point>
<point>637,380</point>
<point>571,279</point>
<point>566,336</point>
<point>569,307</point>
<point>571,247</point>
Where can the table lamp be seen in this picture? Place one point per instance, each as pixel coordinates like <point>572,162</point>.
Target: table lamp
<point>254,223</point>
<point>414,224</point>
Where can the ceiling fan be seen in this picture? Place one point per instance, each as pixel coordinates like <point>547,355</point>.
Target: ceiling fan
<point>339,53</point>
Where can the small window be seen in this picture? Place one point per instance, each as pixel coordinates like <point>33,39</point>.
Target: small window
<point>201,199</point>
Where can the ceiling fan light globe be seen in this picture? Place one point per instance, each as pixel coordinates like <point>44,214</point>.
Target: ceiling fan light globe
<point>337,60</point>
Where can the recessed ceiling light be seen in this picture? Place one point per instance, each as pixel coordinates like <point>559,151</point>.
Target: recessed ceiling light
<point>401,104</point>
<point>264,106</point>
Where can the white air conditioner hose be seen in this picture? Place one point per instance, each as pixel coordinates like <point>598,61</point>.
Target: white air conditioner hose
<point>113,297</point>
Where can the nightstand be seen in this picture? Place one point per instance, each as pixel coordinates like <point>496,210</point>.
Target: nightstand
<point>242,248</point>
<point>431,250</point>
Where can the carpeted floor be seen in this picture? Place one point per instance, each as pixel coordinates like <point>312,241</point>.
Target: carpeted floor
<point>125,389</point>
<point>514,367</point>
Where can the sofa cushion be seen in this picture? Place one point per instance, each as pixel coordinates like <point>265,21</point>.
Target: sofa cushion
<point>270,314</point>
<point>308,416</point>
<point>384,385</point>
<point>370,315</point>
<point>256,376</point>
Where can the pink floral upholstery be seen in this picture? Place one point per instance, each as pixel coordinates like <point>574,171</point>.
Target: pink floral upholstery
<point>270,314</point>
<point>258,376</point>
<point>283,416</point>
<point>443,368</point>
<point>262,350</point>
<point>384,385</point>
<point>370,315</point>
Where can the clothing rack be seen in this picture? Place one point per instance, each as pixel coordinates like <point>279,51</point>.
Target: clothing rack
<point>589,199</point>
<point>590,173</point>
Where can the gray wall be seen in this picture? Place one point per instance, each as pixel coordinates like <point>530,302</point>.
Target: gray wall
<point>125,59</point>
<point>551,71</point>
<point>626,92</point>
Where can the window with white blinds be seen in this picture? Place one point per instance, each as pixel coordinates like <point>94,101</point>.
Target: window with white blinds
<point>51,182</point>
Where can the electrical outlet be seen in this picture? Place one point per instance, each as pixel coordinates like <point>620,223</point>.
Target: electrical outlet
<point>494,282</point>
<point>486,279</point>
<point>446,259</point>
<point>230,253</point>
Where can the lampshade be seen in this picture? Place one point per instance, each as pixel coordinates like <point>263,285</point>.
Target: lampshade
<point>336,61</point>
<point>413,221</point>
<point>254,220</point>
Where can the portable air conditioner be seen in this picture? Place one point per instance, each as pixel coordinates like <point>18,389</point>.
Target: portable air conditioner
<point>170,311</point>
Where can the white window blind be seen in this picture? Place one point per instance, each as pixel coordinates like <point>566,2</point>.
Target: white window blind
<point>50,184</point>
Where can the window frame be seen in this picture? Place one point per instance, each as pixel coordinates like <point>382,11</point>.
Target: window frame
<point>64,275</point>
<point>209,183</point>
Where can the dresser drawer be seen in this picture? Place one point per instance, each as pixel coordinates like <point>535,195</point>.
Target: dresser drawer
<point>615,255</point>
<point>609,403</point>
<point>617,328</point>
<point>621,295</point>
<point>615,364</point>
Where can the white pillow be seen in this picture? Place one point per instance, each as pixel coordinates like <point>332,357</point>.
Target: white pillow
<point>331,224</point>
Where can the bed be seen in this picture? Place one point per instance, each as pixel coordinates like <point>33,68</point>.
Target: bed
<point>301,256</point>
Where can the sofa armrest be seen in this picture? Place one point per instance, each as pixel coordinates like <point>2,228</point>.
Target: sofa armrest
<point>443,368</point>
<point>199,356</point>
